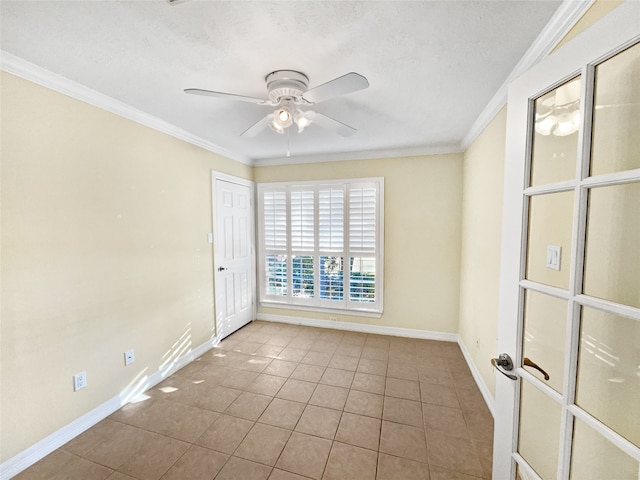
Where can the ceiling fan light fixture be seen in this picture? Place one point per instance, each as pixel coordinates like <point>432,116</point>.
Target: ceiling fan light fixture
<point>282,117</point>
<point>275,126</point>
<point>302,120</point>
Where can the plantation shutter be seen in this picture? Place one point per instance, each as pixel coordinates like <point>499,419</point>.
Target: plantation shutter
<point>275,220</point>
<point>331,219</point>
<point>322,244</point>
<point>362,220</point>
<point>302,220</point>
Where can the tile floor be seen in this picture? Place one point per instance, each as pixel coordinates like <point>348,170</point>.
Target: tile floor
<point>283,402</point>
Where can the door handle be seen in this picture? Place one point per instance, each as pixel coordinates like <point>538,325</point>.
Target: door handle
<point>532,364</point>
<point>502,363</point>
<point>222,269</point>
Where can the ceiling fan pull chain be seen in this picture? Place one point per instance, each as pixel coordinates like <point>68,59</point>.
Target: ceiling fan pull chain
<point>288,142</point>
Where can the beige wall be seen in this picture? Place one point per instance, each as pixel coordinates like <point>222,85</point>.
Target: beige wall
<point>104,248</point>
<point>422,236</point>
<point>481,238</point>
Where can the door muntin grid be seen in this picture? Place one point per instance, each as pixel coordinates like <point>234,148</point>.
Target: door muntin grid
<point>580,186</point>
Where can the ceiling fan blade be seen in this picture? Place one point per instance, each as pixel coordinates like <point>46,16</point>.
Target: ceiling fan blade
<point>226,96</point>
<point>257,127</point>
<point>330,124</point>
<point>351,82</point>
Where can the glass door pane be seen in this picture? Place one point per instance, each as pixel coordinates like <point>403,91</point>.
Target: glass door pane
<point>539,438</point>
<point>616,119</point>
<point>595,458</point>
<point>545,325</point>
<point>555,137</point>
<point>612,258</point>
<point>609,371</point>
<point>550,223</point>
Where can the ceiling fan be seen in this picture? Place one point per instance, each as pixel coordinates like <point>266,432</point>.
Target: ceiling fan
<point>288,91</point>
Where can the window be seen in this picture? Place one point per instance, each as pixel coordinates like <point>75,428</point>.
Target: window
<point>320,244</point>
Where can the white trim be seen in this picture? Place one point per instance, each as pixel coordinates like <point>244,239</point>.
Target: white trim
<point>29,71</point>
<point>567,15</point>
<point>525,472</point>
<point>567,186</point>
<point>617,178</point>
<point>310,308</point>
<point>535,382</point>
<point>44,447</point>
<point>215,176</point>
<point>360,155</point>
<point>627,311</point>
<point>232,179</point>
<point>317,303</point>
<point>361,327</point>
<point>546,289</point>
<point>484,390</point>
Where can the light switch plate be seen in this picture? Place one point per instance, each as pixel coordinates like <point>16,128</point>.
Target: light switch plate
<point>553,256</point>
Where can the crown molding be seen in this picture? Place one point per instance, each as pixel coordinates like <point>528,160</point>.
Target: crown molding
<point>567,15</point>
<point>569,12</point>
<point>29,71</point>
<point>359,155</point>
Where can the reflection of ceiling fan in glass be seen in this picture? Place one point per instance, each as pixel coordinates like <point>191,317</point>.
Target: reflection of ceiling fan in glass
<point>558,112</point>
<point>288,92</point>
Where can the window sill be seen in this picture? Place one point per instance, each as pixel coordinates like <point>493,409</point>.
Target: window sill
<point>338,311</point>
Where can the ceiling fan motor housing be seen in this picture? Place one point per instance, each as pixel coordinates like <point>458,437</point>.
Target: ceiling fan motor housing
<point>286,85</point>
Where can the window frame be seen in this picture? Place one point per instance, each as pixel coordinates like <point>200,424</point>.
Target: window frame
<point>346,305</point>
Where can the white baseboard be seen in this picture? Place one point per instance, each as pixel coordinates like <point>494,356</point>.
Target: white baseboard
<point>44,447</point>
<point>484,390</point>
<point>361,327</point>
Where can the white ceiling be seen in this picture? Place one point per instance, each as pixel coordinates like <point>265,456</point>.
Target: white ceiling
<point>433,66</point>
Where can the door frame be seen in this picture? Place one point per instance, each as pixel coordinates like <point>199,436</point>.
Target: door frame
<point>613,33</point>
<point>215,176</point>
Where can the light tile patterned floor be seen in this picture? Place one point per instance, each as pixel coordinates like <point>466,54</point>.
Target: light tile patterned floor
<point>284,402</point>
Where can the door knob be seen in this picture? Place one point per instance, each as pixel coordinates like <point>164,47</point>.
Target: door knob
<point>222,269</point>
<point>502,363</point>
<point>532,364</point>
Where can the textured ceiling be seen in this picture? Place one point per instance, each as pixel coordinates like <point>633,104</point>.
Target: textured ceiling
<point>433,66</point>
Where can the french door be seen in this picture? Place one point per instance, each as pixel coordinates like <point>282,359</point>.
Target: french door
<point>568,386</point>
<point>234,258</point>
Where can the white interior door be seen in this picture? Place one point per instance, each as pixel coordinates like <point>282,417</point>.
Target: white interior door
<point>569,407</point>
<point>234,263</point>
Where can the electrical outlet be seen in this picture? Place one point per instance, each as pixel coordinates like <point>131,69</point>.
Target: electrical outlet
<point>79,381</point>
<point>129,357</point>
<point>333,319</point>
